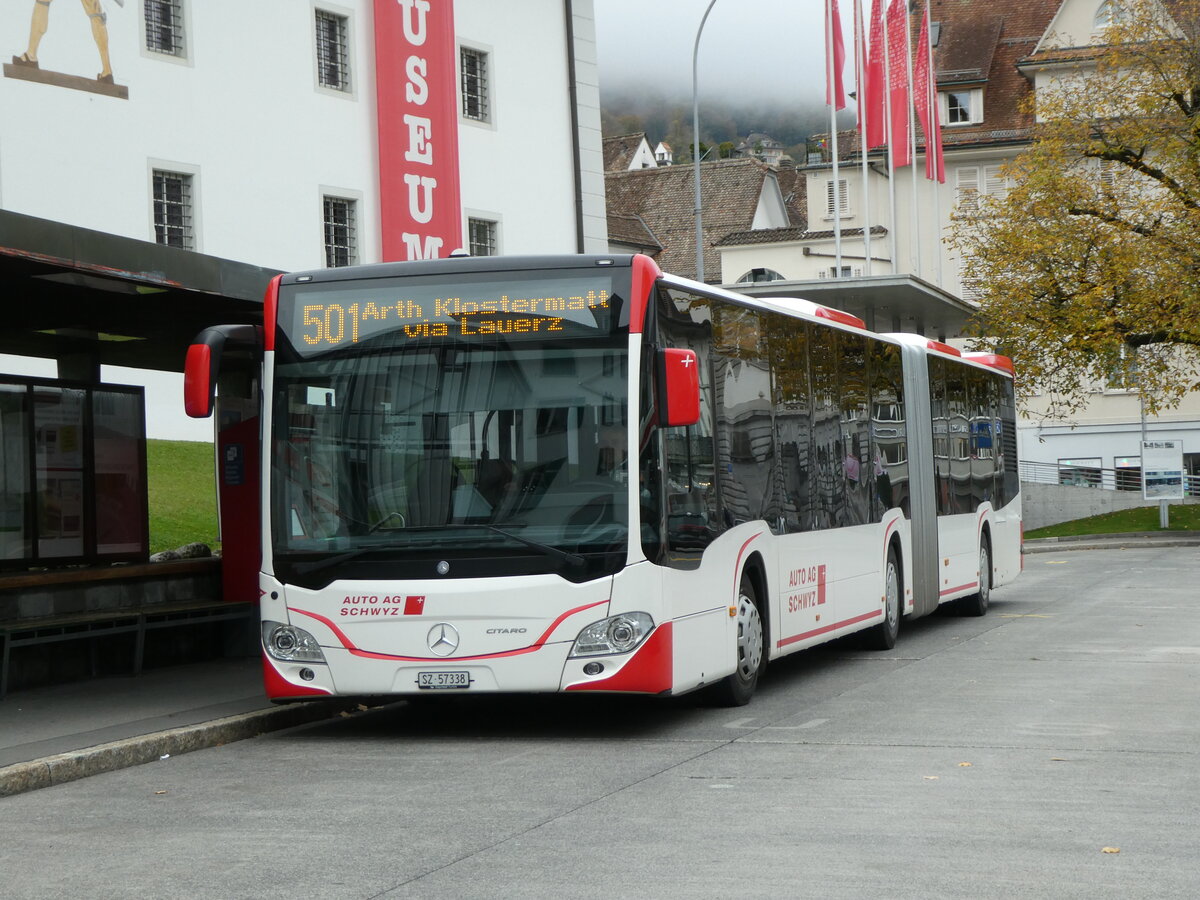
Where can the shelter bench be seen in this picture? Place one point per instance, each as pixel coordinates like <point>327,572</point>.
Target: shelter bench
<point>137,620</point>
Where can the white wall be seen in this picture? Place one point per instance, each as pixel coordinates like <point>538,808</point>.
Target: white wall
<point>244,114</point>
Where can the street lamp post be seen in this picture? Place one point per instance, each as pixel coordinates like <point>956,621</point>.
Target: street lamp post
<point>696,143</point>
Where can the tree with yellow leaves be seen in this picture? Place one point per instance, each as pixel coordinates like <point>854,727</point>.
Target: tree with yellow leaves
<point>1091,262</point>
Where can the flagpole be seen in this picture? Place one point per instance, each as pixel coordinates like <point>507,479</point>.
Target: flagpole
<point>912,139</point>
<point>891,157</point>
<point>860,83</point>
<point>833,141</point>
<point>939,164</point>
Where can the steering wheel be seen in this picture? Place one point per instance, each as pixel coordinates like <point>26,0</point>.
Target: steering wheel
<point>385,520</point>
<point>596,511</point>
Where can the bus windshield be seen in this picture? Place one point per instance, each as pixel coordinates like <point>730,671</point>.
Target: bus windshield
<point>490,451</point>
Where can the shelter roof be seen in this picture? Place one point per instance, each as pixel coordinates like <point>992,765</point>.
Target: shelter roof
<point>124,301</point>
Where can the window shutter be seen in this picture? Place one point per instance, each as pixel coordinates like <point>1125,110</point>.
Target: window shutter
<point>967,188</point>
<point>994,183</point>
<point>843,198</point>
<point>1108,173</point>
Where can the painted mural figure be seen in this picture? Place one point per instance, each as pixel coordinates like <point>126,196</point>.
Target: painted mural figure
<point>41,21</point>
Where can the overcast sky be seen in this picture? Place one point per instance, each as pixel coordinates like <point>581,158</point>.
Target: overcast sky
<point>752,49</point>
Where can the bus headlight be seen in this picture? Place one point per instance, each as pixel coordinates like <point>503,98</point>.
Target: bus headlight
<point>616,634</point>
<point>289,643</point>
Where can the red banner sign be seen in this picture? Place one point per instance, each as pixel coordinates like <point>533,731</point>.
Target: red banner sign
<point>416,75</point>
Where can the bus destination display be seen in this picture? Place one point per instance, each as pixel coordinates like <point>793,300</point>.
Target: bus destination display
<point>330,318</point>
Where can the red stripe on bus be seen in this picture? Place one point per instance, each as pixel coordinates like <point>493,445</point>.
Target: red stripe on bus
<point>877,614</point>
<point>961,587</point>
<point>648,671</point>
<point>645,273</point>
<point>737,569</point>
<point>370,654</point>
<point>270,312</point>
<point>279,688</point>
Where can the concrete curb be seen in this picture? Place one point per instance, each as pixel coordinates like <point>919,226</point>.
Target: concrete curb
<point>1136,539</point>
<point>63,767</point>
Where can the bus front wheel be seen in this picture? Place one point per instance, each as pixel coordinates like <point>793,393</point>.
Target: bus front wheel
<point>738,688</point>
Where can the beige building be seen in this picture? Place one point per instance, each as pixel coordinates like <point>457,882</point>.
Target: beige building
<point>898,272</point>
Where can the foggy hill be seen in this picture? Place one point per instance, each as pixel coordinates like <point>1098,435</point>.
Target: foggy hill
<point>670,119</point>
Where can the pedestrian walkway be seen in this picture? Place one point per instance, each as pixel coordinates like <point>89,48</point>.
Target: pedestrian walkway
<point>1114,541</point>
<point>49,735</point>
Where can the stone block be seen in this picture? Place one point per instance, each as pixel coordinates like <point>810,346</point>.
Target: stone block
<point>35,603</point>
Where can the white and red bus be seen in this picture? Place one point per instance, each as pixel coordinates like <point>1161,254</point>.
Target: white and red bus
<point>583,474</point>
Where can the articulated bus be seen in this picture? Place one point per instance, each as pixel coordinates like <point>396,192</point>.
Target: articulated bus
<point>547,474</point>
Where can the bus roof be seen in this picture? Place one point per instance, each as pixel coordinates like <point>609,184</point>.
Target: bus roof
<point>458,264</point>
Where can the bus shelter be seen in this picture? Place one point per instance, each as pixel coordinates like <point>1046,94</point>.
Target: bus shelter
<point>73,481</point>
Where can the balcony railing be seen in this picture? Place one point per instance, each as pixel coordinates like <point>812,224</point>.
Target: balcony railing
<point>1095,477</point>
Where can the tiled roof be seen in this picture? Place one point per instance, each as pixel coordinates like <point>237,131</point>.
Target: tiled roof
<point>979,34</point>
<point>619,150</point>
<point>966,55</point>
<point>784,235</point>
<point>634,231</point>
<point>793,185</point>
<point>1059,54</point>
<point>664,199</point>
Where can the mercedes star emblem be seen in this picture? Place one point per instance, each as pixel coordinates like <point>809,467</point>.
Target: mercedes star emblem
<point>442,639</point>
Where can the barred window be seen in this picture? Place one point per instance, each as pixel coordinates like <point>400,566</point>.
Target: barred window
<point>333,53</point>
<point>473,73</point>
<point>164,26</point>
<point>481,237</point>
<point>341,232</point>
<point>173,209</point>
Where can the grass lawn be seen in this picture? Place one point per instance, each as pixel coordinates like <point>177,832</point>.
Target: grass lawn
<point>183,501</point>
<point>1144,518</point>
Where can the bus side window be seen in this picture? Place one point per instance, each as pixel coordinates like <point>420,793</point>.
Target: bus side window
<point>983,462</point>
<point>939,420</point>
<point>826,467</point>
<point>793,421</point>
<point>889,438</point>
<point>960,438</point>
<point>855,444</point>
<point>744,427</point>
<point>689,481</point>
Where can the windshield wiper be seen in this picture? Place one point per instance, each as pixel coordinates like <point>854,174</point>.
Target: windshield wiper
<point>572,559</point>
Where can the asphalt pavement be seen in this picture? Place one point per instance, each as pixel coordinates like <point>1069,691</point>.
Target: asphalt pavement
<point>52,735</point>
<point>1048,749</point>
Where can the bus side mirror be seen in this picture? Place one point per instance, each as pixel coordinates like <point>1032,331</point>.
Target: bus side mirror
<point>203,364</point>
<point>679,381</point>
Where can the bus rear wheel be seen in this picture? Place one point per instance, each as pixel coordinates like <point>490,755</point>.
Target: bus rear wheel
<point>977,604</point>
<point>738,688</point>
<point>883,636</point>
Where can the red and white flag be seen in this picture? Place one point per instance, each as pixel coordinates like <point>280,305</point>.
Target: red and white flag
<point>899,95</point>
<point>871,97</point>
<point>835,57</point>
<point>925,97</point>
